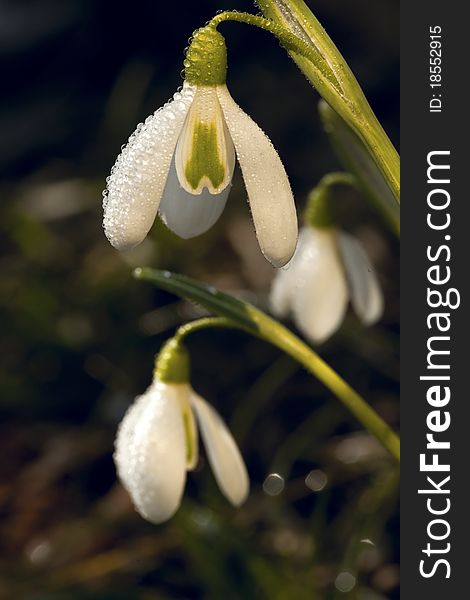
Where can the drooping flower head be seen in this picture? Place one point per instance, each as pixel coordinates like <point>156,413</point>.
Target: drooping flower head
<point>157,441</point>
<point>329,267</point>
<point>180,163</point>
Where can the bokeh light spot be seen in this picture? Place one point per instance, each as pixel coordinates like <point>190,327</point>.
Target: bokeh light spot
<point>273,484</point>
<point>345,582</point>
<point>316,480</point>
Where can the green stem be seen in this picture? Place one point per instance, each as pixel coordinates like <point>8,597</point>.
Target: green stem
<point>273,332</point>
<point>295,16</point>
<point>322,75</point>
<point>206,323</point>
<point>244,316</point>
<point>381,148</point>
<point>320,210</point>
<point>281,337</point>
<point>357,159</point>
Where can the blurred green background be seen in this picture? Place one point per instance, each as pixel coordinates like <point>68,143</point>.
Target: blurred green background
<point>78,334</point>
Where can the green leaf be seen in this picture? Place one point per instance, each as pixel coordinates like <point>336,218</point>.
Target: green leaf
<point>351,104</point>
<point>357,160</point>
<point>206,296</point>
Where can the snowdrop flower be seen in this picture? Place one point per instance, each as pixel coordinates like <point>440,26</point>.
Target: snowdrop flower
<point>180,163</point>
<point>328,268</point>
<point>157,442</point>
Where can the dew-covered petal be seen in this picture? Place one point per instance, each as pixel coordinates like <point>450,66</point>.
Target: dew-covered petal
<point>189,215</point>
<point>366,295</point>
<point>269,193</point>
<point>138,178</point>
<point>321,293</point>
<point>205,156</point>
<point>150,451</point>
<point>222,451</point>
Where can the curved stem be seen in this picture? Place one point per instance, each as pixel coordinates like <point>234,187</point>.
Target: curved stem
<point>319,210</point>
<point>284,339</point>
<point>276,334</point>
<point>322,75</point>
<point>244,316</point>
<point>205,323</point>
<point>296,17</point>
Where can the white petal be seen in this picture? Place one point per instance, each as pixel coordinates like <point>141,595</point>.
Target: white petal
<point>366,295</point>
<point>271,201</point>
<point>150,451</point>
<point>205,156</point>
<point>189,215</point>
<point>321,292</point>
<point>138,177</point>
<point>283,286</point>
<point>224,456</point>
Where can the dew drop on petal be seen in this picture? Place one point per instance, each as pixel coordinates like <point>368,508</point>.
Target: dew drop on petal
<point>134,188</point>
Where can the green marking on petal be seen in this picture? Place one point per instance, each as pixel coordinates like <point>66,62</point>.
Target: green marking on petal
<point>204,160</point>
<point>189,436</point>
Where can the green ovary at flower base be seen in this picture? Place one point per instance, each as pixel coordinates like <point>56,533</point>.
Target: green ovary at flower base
<point>157,441</point>
<point>180,163</point>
